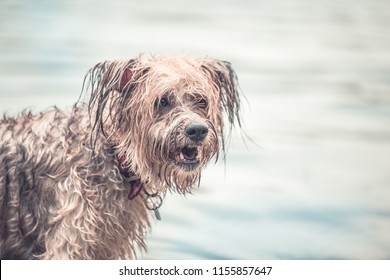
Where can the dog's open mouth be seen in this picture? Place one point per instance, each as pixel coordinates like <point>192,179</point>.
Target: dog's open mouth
<point>189,154</point>
<point>187,157</point>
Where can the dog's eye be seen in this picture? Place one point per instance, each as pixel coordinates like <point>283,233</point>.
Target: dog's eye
<point>202,103</point>
<point>163,102</point>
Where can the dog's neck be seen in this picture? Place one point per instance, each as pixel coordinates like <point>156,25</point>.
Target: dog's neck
<point>131,180</point>
<point>153,201</point>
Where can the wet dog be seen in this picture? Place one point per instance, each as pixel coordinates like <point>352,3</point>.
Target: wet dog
<point>84,184</point>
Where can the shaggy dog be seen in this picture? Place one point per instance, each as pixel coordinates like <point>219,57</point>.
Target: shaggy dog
<point>83,184</point>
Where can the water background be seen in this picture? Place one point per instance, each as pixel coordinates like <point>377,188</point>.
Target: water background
<point>315,184</point>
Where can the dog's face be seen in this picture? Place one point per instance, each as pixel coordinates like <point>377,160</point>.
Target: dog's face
<point>164,116</point>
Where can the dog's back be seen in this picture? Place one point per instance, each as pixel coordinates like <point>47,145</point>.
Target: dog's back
<point>24,200</point>
<point>60,200</point>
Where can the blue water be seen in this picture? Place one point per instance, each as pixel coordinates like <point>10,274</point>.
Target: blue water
<point>314,182</point>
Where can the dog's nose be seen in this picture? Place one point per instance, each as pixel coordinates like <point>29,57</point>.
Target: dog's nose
<point>196,132</point>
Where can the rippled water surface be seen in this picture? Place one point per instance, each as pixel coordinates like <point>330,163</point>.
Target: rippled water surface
<point>314,182</point>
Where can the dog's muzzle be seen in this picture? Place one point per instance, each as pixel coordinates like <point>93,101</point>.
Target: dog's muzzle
<point>188,157</point>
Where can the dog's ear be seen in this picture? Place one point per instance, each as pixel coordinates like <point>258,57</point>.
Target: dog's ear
<point>111,84</point>
<point>125,79</point>
<point>129,75</point>
<point>225,79</point>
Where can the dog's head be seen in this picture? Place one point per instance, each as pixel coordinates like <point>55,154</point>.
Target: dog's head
<point>164,116</point>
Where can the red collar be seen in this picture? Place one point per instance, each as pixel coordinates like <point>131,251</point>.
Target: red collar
<point>132,181</point>
<point>153,201</point>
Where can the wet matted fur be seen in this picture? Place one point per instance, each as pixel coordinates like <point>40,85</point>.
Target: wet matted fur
<point>82,184</point>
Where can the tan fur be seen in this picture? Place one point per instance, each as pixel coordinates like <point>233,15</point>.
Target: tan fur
<point>62,188</point>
